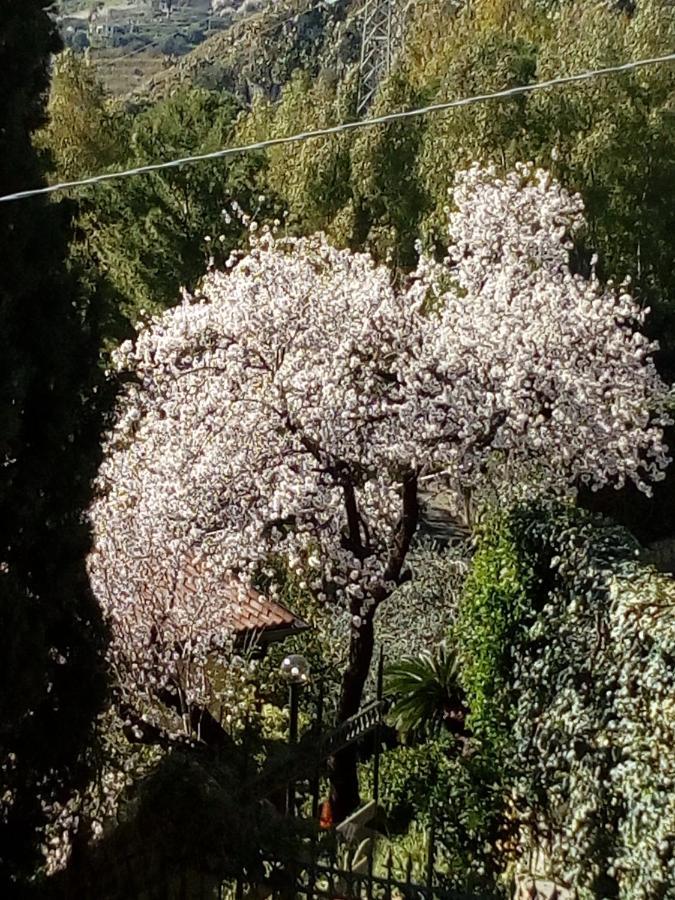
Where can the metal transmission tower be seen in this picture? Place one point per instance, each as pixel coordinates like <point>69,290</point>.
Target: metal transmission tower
<point>382,38</point>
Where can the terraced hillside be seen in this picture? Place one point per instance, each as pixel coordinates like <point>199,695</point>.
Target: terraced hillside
<point>130,41</point>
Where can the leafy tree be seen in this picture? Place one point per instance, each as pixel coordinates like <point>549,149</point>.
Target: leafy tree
<point>154,234</point>
<point>86,133</point>
<point>80,40</point>
<point>175,45</point>
<point>50,626</point>
<point>140,240</point>
<point>311,179</point>
<point>430,782</point>
<point>387,193</point>
<point>292,409</point>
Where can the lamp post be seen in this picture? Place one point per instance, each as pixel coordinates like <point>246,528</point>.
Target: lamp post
<point>294,670</point>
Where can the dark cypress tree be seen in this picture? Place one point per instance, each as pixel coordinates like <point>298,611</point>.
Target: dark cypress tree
<point>51,637</point>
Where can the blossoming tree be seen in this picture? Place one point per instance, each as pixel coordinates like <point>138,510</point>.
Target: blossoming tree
<point>293,406</point>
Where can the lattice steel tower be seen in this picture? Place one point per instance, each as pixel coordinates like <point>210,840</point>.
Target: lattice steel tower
<point>382,38</point>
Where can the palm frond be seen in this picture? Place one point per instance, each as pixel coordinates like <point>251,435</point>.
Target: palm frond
<point>423,688</point>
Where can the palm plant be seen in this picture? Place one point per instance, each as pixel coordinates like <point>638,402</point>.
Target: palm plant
<point>426,695</point>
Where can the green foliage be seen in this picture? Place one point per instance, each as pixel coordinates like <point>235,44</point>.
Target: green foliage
<point>414,782</point>
<point>472,831</point>
<point>141,240</point>
<point>425,692</point>
<point>431,783</point>
<point>80,40</point>
<point>412,846</point>
<point>311,178</point>
<point>156,234</point>
<point>491,613</point>
<point>86,133</point>
<point>578,678</point>
<point>175,45</point>
<point>418,615</point>
<point>387,192</point>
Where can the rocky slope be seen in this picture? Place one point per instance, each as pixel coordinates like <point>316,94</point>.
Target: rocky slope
<point>258,55</point>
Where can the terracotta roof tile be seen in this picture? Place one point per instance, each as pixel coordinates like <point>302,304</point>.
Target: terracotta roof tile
<point>251,610</point>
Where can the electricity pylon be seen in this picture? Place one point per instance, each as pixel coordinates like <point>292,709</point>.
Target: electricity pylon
<point>381,40</point>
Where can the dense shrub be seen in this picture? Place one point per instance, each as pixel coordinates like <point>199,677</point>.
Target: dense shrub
<point>175,45</point>
<point>195,33</point>
<point>491,612</point>
<point>147,237</point>
<point>414,780</point>
<point>431,785</point>
<point>567,646</point>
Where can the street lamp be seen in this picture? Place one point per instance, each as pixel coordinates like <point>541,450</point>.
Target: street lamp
<point>294,670</point>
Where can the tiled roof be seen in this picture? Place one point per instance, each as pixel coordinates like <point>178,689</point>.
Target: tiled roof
<point>253,616</point>
<point>258,613</point>
<point>252,612</point>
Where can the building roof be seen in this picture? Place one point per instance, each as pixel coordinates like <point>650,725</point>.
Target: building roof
<point>254,616</point>
<point>258,613</point>
<point>255,619</point>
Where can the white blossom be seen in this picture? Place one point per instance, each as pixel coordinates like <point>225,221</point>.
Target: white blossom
<point>282,410</point>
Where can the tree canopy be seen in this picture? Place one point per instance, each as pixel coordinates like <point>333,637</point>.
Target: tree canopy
<point>292,407</point>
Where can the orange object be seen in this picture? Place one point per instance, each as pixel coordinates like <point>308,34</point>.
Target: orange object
<point>326,815</point>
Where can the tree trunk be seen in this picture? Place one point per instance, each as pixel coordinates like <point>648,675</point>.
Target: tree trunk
<point>342,767</point>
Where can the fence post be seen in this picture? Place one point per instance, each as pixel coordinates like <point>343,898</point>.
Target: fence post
<point>369,880</point>
<point>312,871</point>
<point>376,760</point>
<point>350,872</point>
<point>293,702</point>
<point>431,856</point>
<point>390,866</point>
<point>318,726</point>
<point>332,868</point>
<point>408,876</point>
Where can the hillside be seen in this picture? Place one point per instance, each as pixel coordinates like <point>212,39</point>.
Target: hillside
<point>258,55</point>
<point>131,41</point>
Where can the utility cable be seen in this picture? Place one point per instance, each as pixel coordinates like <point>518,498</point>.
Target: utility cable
<point>344,127</point>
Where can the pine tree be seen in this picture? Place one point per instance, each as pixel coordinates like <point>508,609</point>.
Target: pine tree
<point>50,628</point>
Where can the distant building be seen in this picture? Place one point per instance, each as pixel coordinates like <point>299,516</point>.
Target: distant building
<point>108,20</point>
<point>194,6</point>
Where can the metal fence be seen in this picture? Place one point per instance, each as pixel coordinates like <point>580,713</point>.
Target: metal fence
<point>345,869</point>
<point>324,876</point>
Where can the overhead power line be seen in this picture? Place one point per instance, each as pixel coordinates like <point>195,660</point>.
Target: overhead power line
<point>344,127</point>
